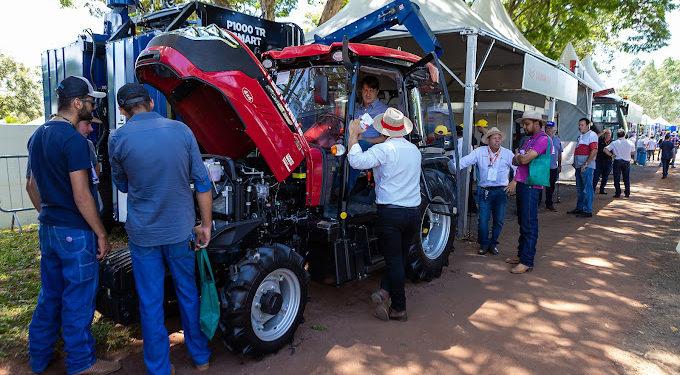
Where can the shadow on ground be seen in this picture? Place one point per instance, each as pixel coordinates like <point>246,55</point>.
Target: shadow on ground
<point>584,309</point>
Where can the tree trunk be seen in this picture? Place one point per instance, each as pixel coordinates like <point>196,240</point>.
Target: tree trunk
<point>331,8</point>
<point>268,9</point>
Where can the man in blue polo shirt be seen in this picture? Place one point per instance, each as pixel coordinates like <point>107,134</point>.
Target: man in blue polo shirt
<point>371,105</point>
<point>154,160</point>
<point>72,237</point>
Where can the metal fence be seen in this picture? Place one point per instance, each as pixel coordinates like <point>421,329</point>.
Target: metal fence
<point>13,195</point>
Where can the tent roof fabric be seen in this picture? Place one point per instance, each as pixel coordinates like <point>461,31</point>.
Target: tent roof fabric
<point>494,14</point>
<point>441,15</point>
<point>589,67</point>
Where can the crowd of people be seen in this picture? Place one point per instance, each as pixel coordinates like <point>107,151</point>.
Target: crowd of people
<point>62,183</point>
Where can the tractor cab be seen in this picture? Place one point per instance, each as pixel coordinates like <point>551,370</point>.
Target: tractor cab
<point>322,86</point>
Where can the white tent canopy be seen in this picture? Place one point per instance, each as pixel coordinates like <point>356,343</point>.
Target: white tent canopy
<point>660,121</point>
<point>590,69</point>
<point>441,15</point>
<point>494,14</point>
<point>504,70</point>
<point>569,55</point>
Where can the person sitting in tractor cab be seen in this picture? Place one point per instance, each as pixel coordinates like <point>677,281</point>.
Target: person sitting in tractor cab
<point>371,105</point>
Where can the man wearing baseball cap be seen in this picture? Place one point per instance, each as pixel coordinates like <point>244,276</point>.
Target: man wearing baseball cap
<point>154,160</point>
<point>72,236</point>
<point>396,167</point>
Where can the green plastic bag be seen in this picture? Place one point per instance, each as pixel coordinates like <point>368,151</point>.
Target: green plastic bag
<point>210,304</point>
<point>539,168</point>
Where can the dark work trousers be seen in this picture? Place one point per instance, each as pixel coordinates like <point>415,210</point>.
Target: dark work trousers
<point>650,154</point>
<point>527,217</point>
<point>665,163</point>
<point>550,190</point>
<point>621,167</point>
<point>397,229</point>
<point>602,170</point>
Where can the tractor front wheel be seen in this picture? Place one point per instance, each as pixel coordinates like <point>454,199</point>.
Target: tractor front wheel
<point>263,306</point>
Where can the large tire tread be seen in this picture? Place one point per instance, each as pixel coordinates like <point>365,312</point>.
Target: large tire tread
<point>235,323</point>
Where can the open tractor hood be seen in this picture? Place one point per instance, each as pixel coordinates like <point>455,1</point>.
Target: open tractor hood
<point>217,86</point>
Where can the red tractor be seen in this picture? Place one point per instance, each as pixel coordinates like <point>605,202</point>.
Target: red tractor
<point>273,134</point>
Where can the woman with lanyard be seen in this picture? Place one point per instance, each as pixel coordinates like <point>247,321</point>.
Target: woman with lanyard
<point>494,164</point>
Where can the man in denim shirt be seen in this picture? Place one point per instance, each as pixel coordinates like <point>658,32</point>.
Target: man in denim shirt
<point>154,160</point>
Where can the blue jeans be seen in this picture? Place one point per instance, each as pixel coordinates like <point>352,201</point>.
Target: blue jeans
<point>641,155</point>
<point>148,267</point>
<point>584,189</point>
<point>492,203</point>
<point>69,274</point>
<point>527,217</point>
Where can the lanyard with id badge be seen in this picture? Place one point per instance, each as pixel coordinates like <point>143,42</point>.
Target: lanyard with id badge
<point>492,172</point>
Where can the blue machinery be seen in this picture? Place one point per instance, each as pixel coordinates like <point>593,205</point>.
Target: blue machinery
<point>108,60</point>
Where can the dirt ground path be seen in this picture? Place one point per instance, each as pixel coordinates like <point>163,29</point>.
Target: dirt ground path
<point>602,299</point>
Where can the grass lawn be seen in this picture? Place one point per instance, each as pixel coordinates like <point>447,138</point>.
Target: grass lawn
<point>19,287</point>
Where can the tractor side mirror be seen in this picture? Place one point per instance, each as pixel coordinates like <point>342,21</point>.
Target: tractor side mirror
<point>321,90</point>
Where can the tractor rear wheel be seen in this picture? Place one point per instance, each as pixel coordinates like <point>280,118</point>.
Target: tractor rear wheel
<point>264,305</point>
<point>430,252</point>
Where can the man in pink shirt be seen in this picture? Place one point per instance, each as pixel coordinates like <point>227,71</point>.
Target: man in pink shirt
<point>528,195</point>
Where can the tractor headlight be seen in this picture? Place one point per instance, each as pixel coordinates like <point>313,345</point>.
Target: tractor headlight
<point>338,149</point>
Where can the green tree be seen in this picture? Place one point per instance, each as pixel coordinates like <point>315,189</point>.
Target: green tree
<point>20,91</point>
<point>267,9</point>
<point>656,89</point>
<point>628,25</point>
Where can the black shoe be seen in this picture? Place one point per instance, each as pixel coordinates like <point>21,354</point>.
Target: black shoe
<point>482,251</point>
<point>617,196</point>
<point>493,250</point>
<point>584,214</point>
<point>603,192</point>
<point>662,177</point>
<point>575,211</point>
<point>550,208</point>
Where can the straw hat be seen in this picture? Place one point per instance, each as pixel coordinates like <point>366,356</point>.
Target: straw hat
<point>490,132</point>
<point>392,123</point>
<point>532,115</point>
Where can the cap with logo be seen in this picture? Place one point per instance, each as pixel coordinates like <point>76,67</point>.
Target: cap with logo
<point>77,86</point>
<point>132,93</point>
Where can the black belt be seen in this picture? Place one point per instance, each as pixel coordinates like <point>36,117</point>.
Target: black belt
<point>492,187</point>
<point>395,206</point>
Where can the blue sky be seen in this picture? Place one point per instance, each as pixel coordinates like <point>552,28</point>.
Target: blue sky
<point>52,27</point>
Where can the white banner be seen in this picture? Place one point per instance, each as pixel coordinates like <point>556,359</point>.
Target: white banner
<point>543,78</point>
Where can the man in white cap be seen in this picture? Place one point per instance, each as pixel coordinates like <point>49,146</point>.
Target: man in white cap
<point>396,167</point>
<point>494,163</point>
<point>527,195</point>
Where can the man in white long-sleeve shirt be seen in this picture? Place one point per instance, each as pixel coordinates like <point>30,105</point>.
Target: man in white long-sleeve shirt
<point>494,163</point>
<point>396,168</point>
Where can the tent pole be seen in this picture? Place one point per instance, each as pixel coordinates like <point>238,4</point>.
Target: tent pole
<point>468,129</point>
<point>486,56</point>
<point>551,109</point>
